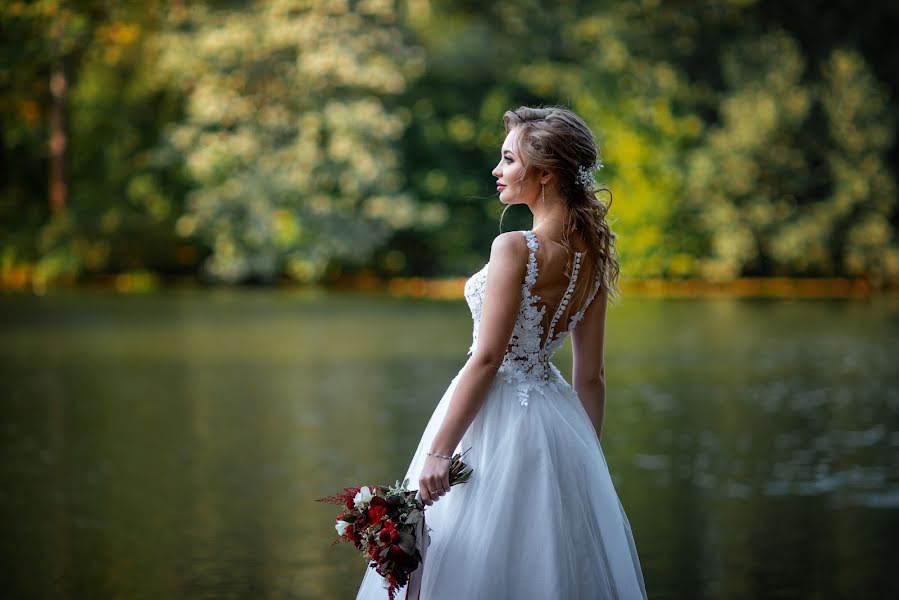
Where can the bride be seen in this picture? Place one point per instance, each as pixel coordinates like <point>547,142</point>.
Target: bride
<point>540,518</point>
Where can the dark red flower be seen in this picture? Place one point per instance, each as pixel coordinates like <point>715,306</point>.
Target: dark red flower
<point>388,533</point>
<point>377,508</point>
<point>352,535</point>
<point>376,512</point>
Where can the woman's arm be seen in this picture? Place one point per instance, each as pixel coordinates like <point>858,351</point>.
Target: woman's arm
<point>588,371</point>
<point>502,301</point>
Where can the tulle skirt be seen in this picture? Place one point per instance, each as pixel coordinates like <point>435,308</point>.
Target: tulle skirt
<point>539,518</point>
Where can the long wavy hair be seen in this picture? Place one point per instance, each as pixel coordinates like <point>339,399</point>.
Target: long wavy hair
<point>555,139</point>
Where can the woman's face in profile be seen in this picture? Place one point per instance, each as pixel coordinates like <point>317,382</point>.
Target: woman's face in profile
<point>509,173</point>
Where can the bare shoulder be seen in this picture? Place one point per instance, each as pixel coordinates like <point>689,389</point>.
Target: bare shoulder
<point>509,246</point>
<point>508,257</point>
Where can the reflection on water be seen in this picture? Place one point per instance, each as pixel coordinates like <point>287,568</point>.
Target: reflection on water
<point>172,446</point>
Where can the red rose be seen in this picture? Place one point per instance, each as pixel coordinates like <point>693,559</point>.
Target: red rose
<point>388,533</point>
<point>377,508</point>
<point>397,553</point>
<point>385,535</point>
<point>376,512</point>
<point>352,535</point>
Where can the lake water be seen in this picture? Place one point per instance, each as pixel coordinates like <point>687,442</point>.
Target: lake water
<point>172,445</point>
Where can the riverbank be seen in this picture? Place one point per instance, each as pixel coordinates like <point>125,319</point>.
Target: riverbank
<point>779,287</point>
<point>451,288</point>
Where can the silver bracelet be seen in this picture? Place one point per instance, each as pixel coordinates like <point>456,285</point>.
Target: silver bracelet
<point>440,455</point>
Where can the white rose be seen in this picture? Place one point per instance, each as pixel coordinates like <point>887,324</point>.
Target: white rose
<point>363,497</point>
<point>341,526</point>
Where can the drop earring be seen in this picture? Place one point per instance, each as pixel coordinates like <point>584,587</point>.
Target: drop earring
<point>543,193</point>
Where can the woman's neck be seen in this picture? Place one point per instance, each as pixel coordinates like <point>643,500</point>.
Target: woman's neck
<point>550,223</point>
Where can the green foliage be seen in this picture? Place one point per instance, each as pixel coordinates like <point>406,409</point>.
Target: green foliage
<point>749,173</point>
<point>636,104</point>
<point>248,141</point>
<point>777,190</point>
<point>286,137</point>
<point>115,114</point>
<point>856,215</point>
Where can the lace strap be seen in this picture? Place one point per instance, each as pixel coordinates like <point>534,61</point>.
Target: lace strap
<point>565,297</point>
<point>580,314</point>
<point>531,277</point>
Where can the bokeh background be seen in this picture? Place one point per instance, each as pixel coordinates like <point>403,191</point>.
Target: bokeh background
<point>233,236</point>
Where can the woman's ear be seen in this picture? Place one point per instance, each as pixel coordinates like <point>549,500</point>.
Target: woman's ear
<point>545,176</point>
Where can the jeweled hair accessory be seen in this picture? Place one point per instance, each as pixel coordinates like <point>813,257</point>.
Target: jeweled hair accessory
<point>585,175</point>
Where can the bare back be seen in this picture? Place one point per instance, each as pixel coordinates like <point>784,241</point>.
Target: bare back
<point>545,315</point>
<point>565,285</point>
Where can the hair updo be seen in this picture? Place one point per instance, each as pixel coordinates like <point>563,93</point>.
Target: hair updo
<point>557,140</point>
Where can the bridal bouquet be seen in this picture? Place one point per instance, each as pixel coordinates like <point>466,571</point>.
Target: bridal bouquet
<point>387,525</point>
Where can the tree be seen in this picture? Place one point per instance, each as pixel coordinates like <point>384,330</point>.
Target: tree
<point>793,178</point>
<point>286,137</point>
<point>59,195</point>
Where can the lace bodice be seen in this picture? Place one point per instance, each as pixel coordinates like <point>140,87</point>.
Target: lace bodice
<point>527,359</point>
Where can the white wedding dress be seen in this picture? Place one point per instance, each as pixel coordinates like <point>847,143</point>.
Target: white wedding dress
<point>539,519</point>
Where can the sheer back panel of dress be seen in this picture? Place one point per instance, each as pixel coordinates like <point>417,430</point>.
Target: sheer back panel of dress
<point>542,323</point>
<point>564,285</point>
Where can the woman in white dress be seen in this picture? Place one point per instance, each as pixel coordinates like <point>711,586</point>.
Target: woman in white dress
<point>540,518</point>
